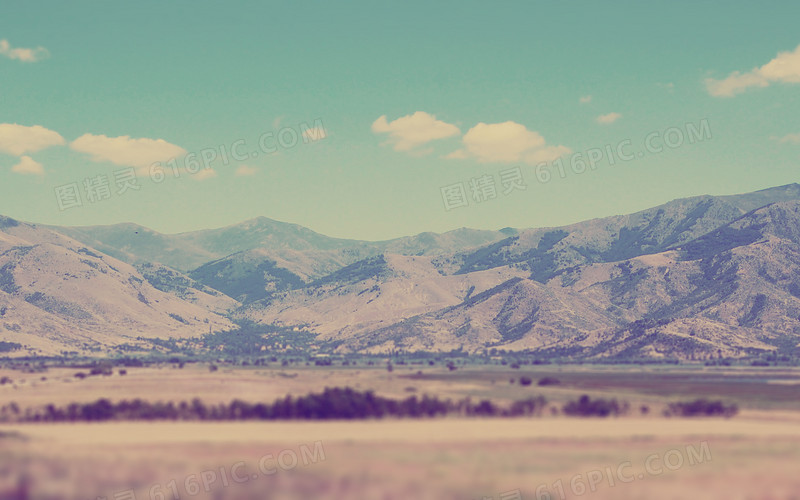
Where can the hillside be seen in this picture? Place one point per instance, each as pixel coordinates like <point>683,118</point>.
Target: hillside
<point>695,278</point>
<point>58,295</point>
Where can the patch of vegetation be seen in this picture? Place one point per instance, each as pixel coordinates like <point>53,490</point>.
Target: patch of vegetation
<point>252,339</point>
<point>721,240</point>
<point>701,408</point>
<point>7,222</point>
<point>545,381</point>
<point>486,294</point>
<point>104,369</point>
<point>488,257</point>
<point>587,407</point>
<point>541,261</point>
<point>9,346</point>
<point>7,283</point>
<point>178,318</point>
<point>86,251</point>
<point>54,306</point>
<point>759,303</point>
<point>373,267</point>
<point>332,403</point>
<point>245,281</point>
<point>514,332</point>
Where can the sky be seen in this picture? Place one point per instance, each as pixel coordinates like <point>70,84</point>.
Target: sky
<point>374,120</point>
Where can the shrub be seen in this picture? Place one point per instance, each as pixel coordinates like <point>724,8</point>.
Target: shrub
<point>97,370</point>
<point>331,403</point>
<point>525,381</point>
<point>8,346</point>
<point>548,381</point>
<point>586,407</point>
<point>701,408</point>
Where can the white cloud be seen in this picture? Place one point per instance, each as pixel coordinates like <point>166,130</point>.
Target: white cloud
<point>458,154</point>
<point>28,166</point>
<point>791,138</point>
<point>206,173</point>
<point>608,118</point>
<point>585,99</point>
<point>785,68</point>
<point>736,83</point>
<point>506,142</point>
<point>501,142</point>
<point>245,171</point>
<point>21,54</point>
<point>410,131</point>
<point>126,151</point>
<point>19,139</point>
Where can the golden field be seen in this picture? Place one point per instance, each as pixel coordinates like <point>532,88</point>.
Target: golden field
<point>754,455</point>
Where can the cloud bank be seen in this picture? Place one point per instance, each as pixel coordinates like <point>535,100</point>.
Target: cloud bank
<point>784,68</point>
<point>22,54</point>
<point>412,131</point>
<point>126,151</point>
<point>20,139</point>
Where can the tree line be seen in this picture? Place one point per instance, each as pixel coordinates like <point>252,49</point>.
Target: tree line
<point>332,403</point>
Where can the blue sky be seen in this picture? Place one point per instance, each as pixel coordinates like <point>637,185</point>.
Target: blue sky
<point>397,101</point>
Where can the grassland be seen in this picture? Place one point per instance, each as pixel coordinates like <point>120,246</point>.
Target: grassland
<point>754,455</point>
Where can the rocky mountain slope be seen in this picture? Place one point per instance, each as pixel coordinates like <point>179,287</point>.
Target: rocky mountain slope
<point>58,295</point>
<point>695,278</point>
<point>370,294</point>
<point>733,291</point>
<point>699,277</point>
<point>547,252</point>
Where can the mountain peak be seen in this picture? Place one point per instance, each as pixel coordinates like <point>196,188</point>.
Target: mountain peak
<point>750,201</point>
<point>7,222</point>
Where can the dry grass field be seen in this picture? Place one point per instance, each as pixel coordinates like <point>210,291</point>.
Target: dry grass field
<point>754,455</point>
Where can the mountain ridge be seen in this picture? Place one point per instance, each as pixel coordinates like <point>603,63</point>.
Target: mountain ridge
<point>692,278</point>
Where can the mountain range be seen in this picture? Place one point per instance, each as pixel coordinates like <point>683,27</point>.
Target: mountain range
<point>695,278</point>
